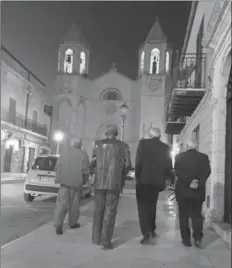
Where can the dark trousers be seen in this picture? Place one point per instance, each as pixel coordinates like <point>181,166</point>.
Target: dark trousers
<point>190,208</point>
<point>147,196</point>
<point>67,201</point>
<point>106,202</point>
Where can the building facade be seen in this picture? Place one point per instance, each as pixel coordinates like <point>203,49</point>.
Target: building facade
<point>25,126</point>
<point>200,102</point>
<point>84,106</point>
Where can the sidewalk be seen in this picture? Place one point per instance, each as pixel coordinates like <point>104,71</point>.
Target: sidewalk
<point>43,248</point>
<point>12,177</point>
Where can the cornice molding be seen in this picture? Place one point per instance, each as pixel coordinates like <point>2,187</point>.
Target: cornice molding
<point>28,86</point>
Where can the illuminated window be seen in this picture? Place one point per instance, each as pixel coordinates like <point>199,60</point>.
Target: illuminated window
<point>142,61</point>
<point>82,62</point>
<point>155,58</point>
<point>111,94</point>
<point>167,61</point>
<point>68,62</point>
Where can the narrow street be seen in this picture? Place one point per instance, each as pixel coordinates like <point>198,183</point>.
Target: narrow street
<point>18,217</point>
<point>43,248</point>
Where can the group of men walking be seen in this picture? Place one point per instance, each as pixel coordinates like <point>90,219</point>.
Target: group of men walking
<point>110,164</point>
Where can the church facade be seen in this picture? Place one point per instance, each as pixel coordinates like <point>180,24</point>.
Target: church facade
<point>85,107</point>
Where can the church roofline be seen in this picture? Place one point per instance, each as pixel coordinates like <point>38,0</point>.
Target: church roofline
<point>110,71</point>
<point>156,33</point>
<point>74,35</point>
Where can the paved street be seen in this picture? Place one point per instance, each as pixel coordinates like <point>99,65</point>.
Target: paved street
<point>19,218</point>
<point>43,248</point>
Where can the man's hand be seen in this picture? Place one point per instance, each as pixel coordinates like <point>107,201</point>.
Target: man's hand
<point>194,184</point>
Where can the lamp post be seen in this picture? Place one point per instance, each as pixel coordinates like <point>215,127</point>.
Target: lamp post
<point>58,138</point>
<point>124,110</point>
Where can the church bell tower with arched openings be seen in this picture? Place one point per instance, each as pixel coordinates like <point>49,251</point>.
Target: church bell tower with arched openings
<point>73,53</point>
<point>70,83</point>
<point>153,73</point>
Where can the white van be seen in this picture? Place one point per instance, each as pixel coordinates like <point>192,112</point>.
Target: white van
<point>40,179</point>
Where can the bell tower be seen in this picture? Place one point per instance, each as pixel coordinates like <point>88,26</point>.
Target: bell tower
<point>154,55</point>
<point>73,53</point>
<point>153,71</point>
<point>70,83</point>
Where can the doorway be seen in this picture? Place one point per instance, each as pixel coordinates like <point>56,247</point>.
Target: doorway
<point>31,158</point>
<point>8,159</point>
<point>227,212</point>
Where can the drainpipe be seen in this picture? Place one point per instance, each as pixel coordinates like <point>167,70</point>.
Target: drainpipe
<point>27,108</point>
<point>26,123</point>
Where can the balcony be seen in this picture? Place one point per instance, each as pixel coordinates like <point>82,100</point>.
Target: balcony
<point>189,85</point>
<point>174,126</point>
<point>19,121</point>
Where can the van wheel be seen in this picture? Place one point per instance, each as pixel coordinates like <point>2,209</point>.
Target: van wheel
<point>28,197</point>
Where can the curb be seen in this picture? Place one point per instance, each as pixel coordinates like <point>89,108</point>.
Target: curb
<point>83,208</point>
<point>12,181</point>
<point>224,234</point>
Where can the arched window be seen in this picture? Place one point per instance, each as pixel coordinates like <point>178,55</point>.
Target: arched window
<point>82,62</point>
<point>155,59</point>
<point>68,61</point>
<point>167,62</point>
<point>142,61</point>
<point>111,94</point>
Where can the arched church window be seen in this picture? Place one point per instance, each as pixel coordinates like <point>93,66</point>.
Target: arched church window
<point>82,62</point>
<point>111,94</point>
<point>142,61</point>
<point>155,59</point>
<point>68,61</point>
<point>167,62</point>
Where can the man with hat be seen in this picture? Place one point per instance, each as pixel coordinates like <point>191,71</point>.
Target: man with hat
<point>111,161</point>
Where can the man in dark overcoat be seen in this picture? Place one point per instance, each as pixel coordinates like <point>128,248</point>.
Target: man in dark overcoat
<point>192,169</point>
<point>111,161</point>
<point>153,165</point>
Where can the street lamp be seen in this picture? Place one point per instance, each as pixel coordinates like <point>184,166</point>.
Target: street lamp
<point>124,110</point>
<point>58,138</point>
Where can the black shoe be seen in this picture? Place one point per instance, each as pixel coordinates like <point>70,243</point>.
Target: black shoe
<point>96,243</point>
<point>59,230</point>
<point>107,247</point>
<point>146,240</point>
<point>153,234</point>
<point>197,243</point>
<point>187,244</point>
<point>77,225</point>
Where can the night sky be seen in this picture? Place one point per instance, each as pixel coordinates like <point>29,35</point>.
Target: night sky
<point>114,30</point>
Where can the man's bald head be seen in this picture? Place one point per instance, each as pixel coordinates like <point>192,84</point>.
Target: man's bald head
<point>155,133</point>
<point>191,144</point>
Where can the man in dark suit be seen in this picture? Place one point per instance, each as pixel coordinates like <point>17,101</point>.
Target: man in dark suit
<point>153,165</point>
<point>111,161</point>
<point>192,169</point>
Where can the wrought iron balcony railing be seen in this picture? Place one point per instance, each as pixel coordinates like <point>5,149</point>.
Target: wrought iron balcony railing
<point>192,72</point>
<point>180,119</point>
<point>19,121</point>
